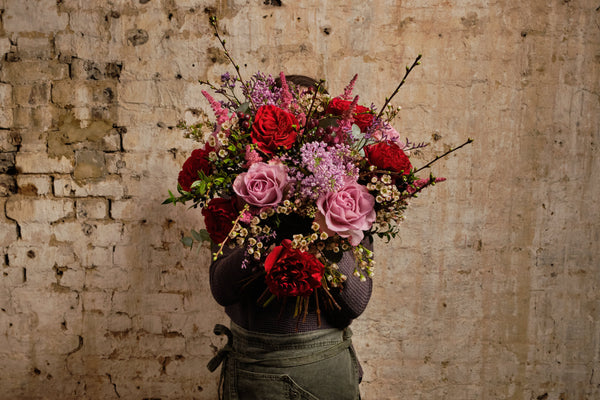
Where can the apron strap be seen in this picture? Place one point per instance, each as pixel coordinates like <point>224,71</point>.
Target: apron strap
<point>221,356</point>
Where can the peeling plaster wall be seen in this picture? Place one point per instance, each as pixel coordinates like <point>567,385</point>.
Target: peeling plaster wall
<point>490,292</point>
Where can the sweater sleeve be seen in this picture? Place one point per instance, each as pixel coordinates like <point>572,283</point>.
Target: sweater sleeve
<point>227,276</point>
<point>354,296</point>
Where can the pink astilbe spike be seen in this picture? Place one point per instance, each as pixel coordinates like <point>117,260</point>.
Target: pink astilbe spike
<point>347,95</point>
<point>220,112</point>
<point>348,116</point>
<point>419,183</point>
<point>345,123</point>
<point>286,96</point>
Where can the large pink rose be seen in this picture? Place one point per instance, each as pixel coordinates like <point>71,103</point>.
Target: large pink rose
<point>348,212</point>
<point>263,185</point>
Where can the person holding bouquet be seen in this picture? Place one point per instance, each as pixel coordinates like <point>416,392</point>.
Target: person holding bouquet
<point>274,353</point>
<point>293,185</point>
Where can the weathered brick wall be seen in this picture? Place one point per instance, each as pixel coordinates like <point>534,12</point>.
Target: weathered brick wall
<point>492,290</point>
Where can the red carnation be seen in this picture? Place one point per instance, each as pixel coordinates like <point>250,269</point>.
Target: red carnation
<point>291,272</point>
<point>219,215</point>
<point>388,156</point>
<point>273,128</point>
<point>362,115</point>
<point>198,161</point>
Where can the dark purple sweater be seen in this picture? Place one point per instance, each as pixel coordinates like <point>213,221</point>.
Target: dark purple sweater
<point>226,281</point>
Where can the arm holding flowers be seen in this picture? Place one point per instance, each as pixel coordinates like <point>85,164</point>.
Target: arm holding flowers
<point>354,296</point>
<point>228,280</point>
<point>227,277</point>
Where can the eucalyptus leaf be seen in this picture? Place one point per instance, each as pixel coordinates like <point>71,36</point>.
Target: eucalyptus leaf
<point>201,235</point>
<point>204,235</point>
<point>244,107</point>
<point>356,133</point>
<point>187,241</point>
<point>325,122</point>
<point>196,235</point>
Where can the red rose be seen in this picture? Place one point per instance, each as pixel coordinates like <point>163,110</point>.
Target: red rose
<point>219,215</point>
<point>273,128</point>
<point>362,115</point>
<point>198,161</point>
<point>291,272</point>
<point>389,157</point>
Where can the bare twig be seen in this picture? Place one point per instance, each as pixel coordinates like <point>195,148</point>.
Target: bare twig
<point>469,140</point>
<point>408,70</point>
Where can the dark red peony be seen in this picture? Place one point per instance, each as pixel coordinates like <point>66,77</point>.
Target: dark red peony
<point>273,128</point>
<point>363,117</point>
<point>291,272</point>
<point>219,215</point>
<point>198,161</point>
<point>388,156</point>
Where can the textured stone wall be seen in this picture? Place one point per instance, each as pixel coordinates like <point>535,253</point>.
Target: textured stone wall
<point>491,292</point>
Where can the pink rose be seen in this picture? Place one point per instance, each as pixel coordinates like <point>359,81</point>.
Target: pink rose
<point>263,185</point>
<point>348,212</point>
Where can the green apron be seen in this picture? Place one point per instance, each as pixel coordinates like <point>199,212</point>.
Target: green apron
<point>316,365</point>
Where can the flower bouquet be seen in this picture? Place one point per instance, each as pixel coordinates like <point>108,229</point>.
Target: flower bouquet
<point>296,177</point>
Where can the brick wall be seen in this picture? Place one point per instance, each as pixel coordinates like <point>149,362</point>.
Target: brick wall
<point>492,290</point>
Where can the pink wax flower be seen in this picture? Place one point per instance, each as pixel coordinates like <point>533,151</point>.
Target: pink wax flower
<point>263,185</point>
<point>348,212</point>
<point>420,183</point>
<point>246,217</point>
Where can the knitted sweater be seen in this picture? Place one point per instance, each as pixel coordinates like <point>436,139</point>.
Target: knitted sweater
<point>231,288</point>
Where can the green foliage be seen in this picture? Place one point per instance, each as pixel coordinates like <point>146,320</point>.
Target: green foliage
<point>244,107</point>
<point>187,241</point>
<point>327,122</point>
<point>199,237</point>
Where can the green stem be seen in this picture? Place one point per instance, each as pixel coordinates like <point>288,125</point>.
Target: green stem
<point>312,102</point>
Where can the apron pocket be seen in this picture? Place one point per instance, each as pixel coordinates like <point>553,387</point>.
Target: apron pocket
<point>268,386</point>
